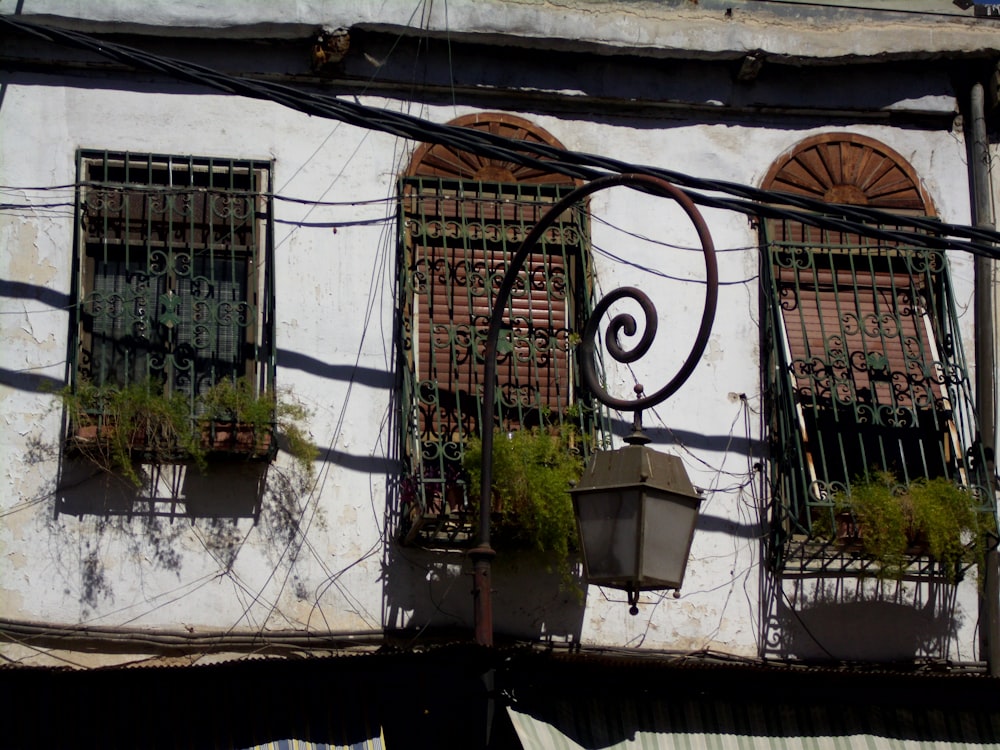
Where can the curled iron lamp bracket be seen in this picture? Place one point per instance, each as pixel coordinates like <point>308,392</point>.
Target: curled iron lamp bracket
<point>621,323</point>
<point>625,323</point>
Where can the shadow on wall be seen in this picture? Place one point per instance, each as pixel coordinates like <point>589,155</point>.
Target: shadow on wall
<point>666,438</point>
<point>29,380</point>
<point>431,590</point>
<point>225,490</point>
<point>367,376</point>
<point>147,525</point>
<point>151,525</point>
<point>855,619</point>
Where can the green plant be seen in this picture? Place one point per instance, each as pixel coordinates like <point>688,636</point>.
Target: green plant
<point>289,421</point>
<point>892,519</point>
<point>111,425</point>
<point>533,471</point>
<point>238,402</point>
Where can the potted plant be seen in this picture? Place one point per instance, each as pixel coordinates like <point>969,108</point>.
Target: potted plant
<point>891,521</point>
<point>234,418</point>
<point>533,470</point>
<point>112,425</point>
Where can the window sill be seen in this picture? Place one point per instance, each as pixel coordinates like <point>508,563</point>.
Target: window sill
<point>218,440</point>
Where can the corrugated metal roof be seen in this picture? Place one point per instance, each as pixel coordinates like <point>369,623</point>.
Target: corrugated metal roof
<point>436,698</point>
<point>946,7</point>
<point>722,725</point>
<point>402,646</point>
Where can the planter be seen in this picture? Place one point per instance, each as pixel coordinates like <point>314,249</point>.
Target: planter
<point>92,435</point>
<point>892,522</point>
<point>454,498</point>
<point>238,438</point>
<point>851,536</point>
<point>113,427</point>
<point>848,530</point>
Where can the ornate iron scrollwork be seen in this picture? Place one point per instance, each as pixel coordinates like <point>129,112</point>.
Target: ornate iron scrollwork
<point>621,323</point>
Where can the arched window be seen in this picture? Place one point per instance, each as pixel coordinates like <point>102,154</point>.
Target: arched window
<point>849,169</point>
<point>463,217</point>
<point>864,369</point>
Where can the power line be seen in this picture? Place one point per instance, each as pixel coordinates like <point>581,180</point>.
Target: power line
<point>164,190</point>
<point>865,8</point>
<point>768,204</point>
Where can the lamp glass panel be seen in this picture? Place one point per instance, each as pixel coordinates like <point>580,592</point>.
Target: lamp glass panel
<point>668,527</point>
<point>609,528</point>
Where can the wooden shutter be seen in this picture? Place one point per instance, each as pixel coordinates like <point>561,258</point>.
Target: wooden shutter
<point>460,250</point>
<point>860,333</point>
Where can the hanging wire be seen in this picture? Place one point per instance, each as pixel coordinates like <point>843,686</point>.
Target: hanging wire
<point>720,194</point>
<point>745,199</point>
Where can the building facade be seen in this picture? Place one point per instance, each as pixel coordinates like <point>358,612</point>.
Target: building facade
<point>283,212</point>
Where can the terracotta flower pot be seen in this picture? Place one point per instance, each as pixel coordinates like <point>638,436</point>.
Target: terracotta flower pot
<point>236,437</point>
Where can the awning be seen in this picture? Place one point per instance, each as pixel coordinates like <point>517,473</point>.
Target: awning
<point>659,724</point>
<point>373,743</point>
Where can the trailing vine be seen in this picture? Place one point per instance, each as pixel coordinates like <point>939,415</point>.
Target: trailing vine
<point>533,470</point>
<point>892,521</point>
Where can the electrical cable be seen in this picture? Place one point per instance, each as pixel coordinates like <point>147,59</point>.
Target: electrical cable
<point>173,190</point>
<point>363,90</point>
<point>911,230</point>
<point>660,243</point>
<point>597,250</point>
<point>300,532</point>
<point>379,262</point>
<point>292,550</point>
<point>745,199</point>
<point>866,8</point>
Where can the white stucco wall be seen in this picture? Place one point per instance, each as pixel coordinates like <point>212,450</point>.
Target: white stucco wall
<point>176,573</point>
<point>320,559</point>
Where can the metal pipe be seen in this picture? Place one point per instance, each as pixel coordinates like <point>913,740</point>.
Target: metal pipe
<point>986,365</point>
<point>482,555</point>
<point>37,632</point>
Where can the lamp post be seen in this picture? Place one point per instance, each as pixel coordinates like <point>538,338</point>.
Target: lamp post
<point>607,494</point>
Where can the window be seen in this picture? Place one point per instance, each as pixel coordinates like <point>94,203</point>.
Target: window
<point>173,271</point>
<point>864,363</point>
<point>462,218</point>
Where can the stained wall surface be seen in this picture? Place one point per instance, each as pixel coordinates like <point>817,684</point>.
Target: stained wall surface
<point>240,550</point>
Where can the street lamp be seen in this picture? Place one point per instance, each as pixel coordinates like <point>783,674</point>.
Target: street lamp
<point>636,511</point>
<point>636,508</point>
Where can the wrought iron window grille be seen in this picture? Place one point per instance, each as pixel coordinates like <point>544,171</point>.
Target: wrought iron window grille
<point>457,237</point>
<point>863,371</point>
<point>173,273</point>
